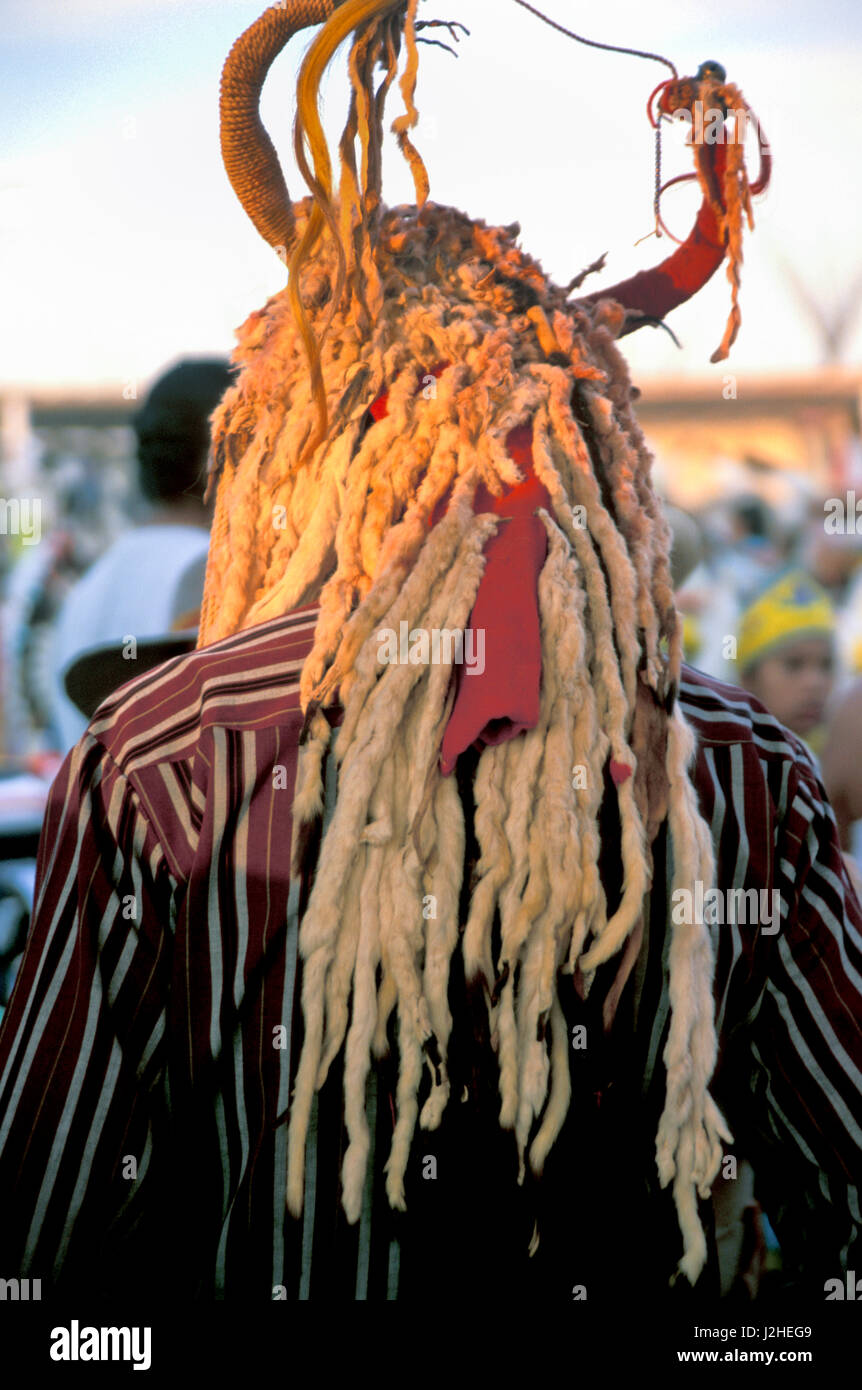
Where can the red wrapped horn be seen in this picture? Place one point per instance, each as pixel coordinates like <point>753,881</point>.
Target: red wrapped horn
<point>654,293</point>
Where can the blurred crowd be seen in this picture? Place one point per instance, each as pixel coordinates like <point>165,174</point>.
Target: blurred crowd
<point>773,603</point>
<point>110,587</point>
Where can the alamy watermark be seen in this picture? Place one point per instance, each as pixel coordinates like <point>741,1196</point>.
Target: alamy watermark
<point>436,646</point>
<point>76,1343</point>
<point>848,1288</point>
<point>20,1290</point>
<point>730,906</point>
<point>21,516</point>
<point>843,515</point>
<point>713,126</point>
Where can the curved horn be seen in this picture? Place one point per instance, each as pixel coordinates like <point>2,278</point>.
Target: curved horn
<point>667,285</point>
<point>654,293</point>
<point>248,153</point>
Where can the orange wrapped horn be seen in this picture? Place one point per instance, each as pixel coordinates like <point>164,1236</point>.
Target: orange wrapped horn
<point>249,155</point>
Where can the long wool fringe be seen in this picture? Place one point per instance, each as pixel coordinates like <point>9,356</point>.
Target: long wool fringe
<point>345,520</point>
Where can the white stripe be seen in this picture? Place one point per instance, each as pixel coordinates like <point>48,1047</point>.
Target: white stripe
<point>663,1004</point>
<point>79,754</point>
<point>154,1040</point>
<point>136,1190</point>
<point>720,707</point>
<point>139,836</point>
<point>330,789</point>
<point>781,808</point>
<point>132,754</point>
<point>788,870</point>
<point>121,970</point>
<point>828,1091</point>
<point>284,682</point>
<point>280,1178</point>
<point>180,665</point>
<point>777,1114</point>
<point>364,1253</point>
<point>802,806</point>
<point>225,1172</point>
<point>740,868</point>
<point>239,860</point>
<point>37,1035</point>
<point>718,813</point>
<point>218,798</point>
<point>310,1202</point>
<point>90,1148</point>
<point>838,929</point>
<point>197,797</point>
<point>775,747</point>
<point>827,1032</point>
<point>737,793</point>
<point>67,896</point>
<point>233,1181</point>
<point>74,1095</point>
<point>129,754</point>
<point>717,719</point>
<point>179,802</point>
<point>188,666</point>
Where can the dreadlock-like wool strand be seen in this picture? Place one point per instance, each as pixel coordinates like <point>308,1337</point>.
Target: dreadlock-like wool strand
<point>374,519</point>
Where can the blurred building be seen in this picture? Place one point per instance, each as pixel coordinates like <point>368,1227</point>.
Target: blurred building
<point>773,435</point>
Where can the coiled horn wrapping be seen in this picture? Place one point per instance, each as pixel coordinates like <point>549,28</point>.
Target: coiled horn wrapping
<point>249,155</point>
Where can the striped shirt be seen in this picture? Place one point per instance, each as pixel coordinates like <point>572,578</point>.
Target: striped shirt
<point>149,1049</point>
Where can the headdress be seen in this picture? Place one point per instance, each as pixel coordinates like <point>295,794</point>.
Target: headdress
<point>386,516</point>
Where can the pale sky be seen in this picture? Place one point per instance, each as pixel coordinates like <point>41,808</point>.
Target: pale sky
<point>122,245</point>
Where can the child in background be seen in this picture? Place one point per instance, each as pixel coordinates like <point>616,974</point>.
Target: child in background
<point>786,653</point>
<point>786,658</point>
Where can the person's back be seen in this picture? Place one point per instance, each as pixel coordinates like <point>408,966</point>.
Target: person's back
<point>326,924</point>
<point>179,1094</point>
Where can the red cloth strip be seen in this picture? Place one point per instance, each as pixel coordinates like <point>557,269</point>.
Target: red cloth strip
<point>497,693</point>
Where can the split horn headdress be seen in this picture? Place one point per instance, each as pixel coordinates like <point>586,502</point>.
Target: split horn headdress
<point>422,414</point>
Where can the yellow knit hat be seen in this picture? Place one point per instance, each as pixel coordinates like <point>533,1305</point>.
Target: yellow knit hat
<point>792,607</point>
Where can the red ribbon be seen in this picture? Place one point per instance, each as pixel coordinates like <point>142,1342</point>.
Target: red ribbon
<point>500,700</point>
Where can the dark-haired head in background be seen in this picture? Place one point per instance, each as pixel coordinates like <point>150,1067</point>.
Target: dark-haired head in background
<point>150,580</point>
<point>173,432</point>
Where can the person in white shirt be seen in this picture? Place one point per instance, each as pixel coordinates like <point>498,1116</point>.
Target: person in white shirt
<point>140,587</point>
